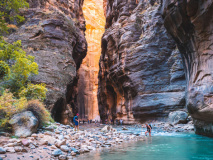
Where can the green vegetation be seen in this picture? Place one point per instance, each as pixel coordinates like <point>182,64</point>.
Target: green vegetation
<point>17,93</point>
<point>9,11</point>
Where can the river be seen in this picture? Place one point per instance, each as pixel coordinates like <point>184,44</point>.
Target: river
<point>161,146</point>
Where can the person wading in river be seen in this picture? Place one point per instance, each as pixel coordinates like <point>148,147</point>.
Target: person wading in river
<point>76,121</point>
<point>149,129</point>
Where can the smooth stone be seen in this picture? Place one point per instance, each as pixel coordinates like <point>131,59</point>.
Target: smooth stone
<point>64,148</point>
<point>57,152</point>
<point>62,157</point>
<point>2,150</point>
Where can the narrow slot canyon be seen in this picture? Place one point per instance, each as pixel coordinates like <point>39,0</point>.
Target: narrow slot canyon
<point>88,72</point>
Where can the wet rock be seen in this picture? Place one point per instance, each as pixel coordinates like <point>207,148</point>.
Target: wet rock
<point>73,153</point>
<point>178,117</point>
<point>44,142</point>
<point>24,124</point>
<point>57,152</point>
<point>107,129</point>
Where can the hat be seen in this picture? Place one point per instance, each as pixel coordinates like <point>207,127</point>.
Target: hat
<point>77,114</point>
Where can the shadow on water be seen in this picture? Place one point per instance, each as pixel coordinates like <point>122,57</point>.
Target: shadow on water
<point>161,146</point>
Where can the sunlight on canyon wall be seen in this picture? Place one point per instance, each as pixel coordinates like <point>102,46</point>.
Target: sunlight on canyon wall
<point>88,72</point>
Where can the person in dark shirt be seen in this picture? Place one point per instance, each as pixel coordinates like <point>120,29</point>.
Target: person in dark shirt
<point>76,121</point>
<point>149,129</point>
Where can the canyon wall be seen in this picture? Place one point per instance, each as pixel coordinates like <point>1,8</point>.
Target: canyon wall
<point>88,72</point>
<point>53,32</point>
<point>141,74</point>
<point>190,22</point>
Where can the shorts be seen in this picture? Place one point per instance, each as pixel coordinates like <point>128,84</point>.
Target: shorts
<point>148,130</point>
<point>76,123</point>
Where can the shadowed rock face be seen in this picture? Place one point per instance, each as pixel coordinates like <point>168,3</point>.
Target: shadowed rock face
<point>190,22</point>
<point>53,32</point>
<point>141,74</point>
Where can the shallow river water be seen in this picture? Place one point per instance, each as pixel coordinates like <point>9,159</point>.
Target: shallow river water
<point>161,146</point>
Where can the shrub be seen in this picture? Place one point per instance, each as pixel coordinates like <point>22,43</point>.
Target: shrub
<point>4,69</point>
<point>40,112</point>
<point>37,91</point>
<point>10,106</point>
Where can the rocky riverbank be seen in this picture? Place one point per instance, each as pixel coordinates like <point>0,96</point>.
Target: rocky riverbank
<point>61,142</point>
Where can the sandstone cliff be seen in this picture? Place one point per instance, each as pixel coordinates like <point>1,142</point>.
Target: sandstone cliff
<point>53,32</point>
<point>88,72</point>
<point>141,73</point>
<point>190,22</point>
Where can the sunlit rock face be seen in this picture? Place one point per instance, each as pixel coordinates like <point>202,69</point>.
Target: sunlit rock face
<point>141,73</point>
<point>53,32</point>
<point>88,72</point>
<point>190,22</point>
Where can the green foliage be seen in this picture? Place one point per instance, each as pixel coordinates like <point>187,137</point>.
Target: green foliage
<point>9,11</point>
<point>4,69</point>
<point>21,67</point>
<point>37,91</point>
<point>9,106</point>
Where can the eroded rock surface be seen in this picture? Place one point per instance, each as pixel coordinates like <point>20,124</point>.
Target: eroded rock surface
<point>53,32</point>
<point>190,22</point>
<point>141,73</point>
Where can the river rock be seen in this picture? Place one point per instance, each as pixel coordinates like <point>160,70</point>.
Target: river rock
<point>59,143</point>
<point>64,148</point>
<point>178,117</point>
<point>75,150</point>
<point>10,149</point>
<point>2,150</point>
<point>107,128</point>
<point>57,152</point>
<point>24,124</point>
<point>62,157</point>
<point>25,142</point>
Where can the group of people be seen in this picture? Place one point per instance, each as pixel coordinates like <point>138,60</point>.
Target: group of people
<point>148,126</point>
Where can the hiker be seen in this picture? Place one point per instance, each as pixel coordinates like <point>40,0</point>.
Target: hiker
<point>149,129</point>
<point>121,121</point>
<point>76,121</point>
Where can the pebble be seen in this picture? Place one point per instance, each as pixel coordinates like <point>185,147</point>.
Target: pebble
<point>62,157</point>
<point>57,152</point>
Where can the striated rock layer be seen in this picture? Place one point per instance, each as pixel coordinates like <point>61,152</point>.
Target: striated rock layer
<point>141,73</point>
<point>53,32</point>
<point>190,22</point>
<point>88,72</point>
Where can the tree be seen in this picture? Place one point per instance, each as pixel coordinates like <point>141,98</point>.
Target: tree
<point>9,12</point>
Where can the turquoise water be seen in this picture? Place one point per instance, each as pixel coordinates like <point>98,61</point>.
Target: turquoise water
<point>161,146</point>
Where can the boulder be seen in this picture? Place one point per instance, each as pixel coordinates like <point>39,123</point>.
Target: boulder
<point>178,117</point>
<point>24,124</point>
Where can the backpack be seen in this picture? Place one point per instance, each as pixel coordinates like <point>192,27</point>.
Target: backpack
<point>150,126</point>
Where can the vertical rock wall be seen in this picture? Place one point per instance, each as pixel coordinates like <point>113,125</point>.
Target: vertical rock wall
<point>53,32</point>
<point>88,72</point>
<point>190,22</point>
<point>141,73</point>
